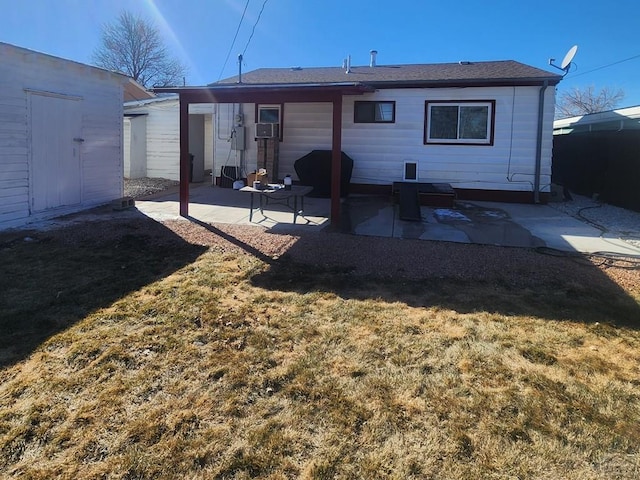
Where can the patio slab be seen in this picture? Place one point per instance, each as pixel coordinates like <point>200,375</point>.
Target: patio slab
<point>224,205</point>
<point>512,225</point>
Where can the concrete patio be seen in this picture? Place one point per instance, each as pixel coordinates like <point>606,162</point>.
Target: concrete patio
<point>512,225</point>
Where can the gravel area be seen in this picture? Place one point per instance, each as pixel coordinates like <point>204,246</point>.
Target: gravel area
<point>352,255</point>
<point>611,220</point>
<point>371,256</point>
<point>143,187</point>
<point>399,259</point>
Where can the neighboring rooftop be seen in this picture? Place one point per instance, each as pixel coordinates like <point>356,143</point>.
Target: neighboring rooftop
<point>134,91</point>
<point>148,101</point>
<point>619,119</point>
<point>381,76</point>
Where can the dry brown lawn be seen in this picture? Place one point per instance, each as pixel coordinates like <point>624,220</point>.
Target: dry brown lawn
<point>129,352</point>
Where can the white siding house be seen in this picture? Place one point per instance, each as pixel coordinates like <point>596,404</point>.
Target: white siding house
<point>60,136</point>
<point>152,138</point>
<point>518,127</point>
<point>379,150</point>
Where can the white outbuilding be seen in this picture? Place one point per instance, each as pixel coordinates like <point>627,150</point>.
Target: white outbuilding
<point>61,142</point>
<point>152,139</point>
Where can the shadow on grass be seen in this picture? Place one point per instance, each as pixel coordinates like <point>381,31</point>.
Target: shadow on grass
<point>53,279</point>
<point>233,240</point>
<point>461,277</point>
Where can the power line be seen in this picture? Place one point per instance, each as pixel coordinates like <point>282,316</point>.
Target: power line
<point>254,27</point>
<point>234,39</point>
<point>606,66</point>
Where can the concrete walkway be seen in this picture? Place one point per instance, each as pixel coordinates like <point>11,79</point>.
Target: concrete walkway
<point>512,225</point>
<point>224,205</point>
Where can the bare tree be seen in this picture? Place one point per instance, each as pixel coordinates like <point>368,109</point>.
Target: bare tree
<point>132,45</point>
<point>583,101</point>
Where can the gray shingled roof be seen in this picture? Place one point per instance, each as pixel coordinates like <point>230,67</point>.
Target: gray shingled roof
<point>463,73</point>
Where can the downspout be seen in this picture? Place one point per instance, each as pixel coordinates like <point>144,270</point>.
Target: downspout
<point>536,180</point>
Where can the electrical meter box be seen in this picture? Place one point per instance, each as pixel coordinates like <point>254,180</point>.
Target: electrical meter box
<point>237,139</point>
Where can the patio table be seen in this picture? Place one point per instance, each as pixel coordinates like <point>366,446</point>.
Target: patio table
<point>276,194</point>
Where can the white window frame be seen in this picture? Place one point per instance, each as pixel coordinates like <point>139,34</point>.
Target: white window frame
<point>271,106</point>
<point>404,173</point>
<point>488,140</point>
<point>277,107</point>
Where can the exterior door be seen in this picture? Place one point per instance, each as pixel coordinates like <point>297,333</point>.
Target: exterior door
<point>56,131</point>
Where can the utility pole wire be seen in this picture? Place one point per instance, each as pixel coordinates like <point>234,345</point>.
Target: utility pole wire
<point>234,40</point>
<point>254,27</point>
<point>605,66</point>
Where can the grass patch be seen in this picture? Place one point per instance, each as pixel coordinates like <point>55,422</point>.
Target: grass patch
<point>183,364</point>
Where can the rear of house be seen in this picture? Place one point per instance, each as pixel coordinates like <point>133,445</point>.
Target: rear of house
<point>483,127</point>
<point>60,136</point>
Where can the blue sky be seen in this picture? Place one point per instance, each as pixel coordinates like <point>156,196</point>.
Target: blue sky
<point>322,33</point>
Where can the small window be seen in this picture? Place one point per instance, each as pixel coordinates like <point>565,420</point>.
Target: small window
<point>271,113</point>
<point>469,123</point>
<point>374,112</point>
<point>268,113</point>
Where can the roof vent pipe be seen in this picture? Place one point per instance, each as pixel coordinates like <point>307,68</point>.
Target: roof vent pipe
<point>348,64</point>
<point>240,68</point>
<point>372,62</point>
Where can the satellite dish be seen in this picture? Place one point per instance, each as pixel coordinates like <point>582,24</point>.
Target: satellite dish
<point>566,61</point>
<point>568,57</point>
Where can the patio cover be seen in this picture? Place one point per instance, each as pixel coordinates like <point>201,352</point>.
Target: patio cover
<point>271,93</point>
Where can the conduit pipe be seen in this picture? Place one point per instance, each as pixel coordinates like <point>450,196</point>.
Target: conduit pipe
<point>536,180</point>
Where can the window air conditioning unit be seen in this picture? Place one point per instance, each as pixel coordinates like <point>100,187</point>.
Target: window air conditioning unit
<point>267,130</point>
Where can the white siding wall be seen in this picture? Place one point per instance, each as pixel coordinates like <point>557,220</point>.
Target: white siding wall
<point>307,126</point>
<point>135,147</point>
<point>101,152</point>
<point>379,150</point>
<point>163,135</point>
<point>208,143</point>
<point>207,110</point>
<point>14,159</point>
<point>223,155</point>
<point>126,141</point>
<point>196,146</point>
<point>163,140</point>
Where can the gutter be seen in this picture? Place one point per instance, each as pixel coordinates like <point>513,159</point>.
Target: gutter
<point>457,83</point>
<point>536,180</point>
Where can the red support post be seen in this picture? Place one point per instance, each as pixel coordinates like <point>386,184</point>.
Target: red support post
<point>185,162</point>
<point>336,160</point>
